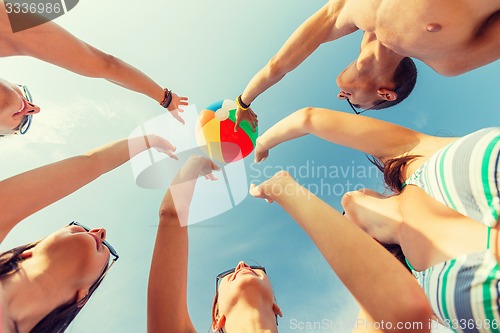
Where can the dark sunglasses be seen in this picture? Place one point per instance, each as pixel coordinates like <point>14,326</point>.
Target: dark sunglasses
<point>363,111</point>
<point>112,250</point>
<point>222,275</point>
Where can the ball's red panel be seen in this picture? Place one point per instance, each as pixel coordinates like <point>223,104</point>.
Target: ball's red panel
<point>238,139</point>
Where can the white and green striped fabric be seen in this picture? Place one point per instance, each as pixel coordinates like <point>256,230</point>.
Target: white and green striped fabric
<point>464,292</point>
<point>465,176</point>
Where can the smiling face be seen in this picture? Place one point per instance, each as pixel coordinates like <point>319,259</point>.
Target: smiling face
<point>76,254</point>
<point>14,106</point>
<point>251,286</point>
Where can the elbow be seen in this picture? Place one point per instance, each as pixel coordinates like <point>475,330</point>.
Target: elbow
<point>417,311</point>
<point>168,212</point>
<point>305,117</point>
<point>103,65</point>
<point>276,69</point>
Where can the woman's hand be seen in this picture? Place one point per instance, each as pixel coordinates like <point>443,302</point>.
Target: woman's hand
<point>261,152</point>
<point>274,187</point>
<point>196,166</point>
<point>161,144</point>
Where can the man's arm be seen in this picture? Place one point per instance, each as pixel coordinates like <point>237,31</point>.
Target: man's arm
<point>327,24</point>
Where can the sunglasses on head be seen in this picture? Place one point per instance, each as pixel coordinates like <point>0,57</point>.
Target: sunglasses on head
<point>112,250</point>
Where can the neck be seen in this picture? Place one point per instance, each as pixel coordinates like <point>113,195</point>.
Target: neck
<point>246,318</point>
<point>376,58</point>
<point>30,294</point>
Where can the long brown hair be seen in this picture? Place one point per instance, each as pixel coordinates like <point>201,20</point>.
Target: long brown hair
<point>393,170</point>
<point>58,320</point>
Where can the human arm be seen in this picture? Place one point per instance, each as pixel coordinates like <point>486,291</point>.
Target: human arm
<point>327,24</point>
<point>31,191</point>
<point>51,43</point>
<point>369,135</point>
<point>167,286</point>
<point>380,283</point>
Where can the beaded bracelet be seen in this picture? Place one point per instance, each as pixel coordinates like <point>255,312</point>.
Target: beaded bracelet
<point>167,99</point>
<point>242,105</point>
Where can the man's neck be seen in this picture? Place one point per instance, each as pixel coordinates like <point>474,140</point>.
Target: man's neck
<point>376,58</point>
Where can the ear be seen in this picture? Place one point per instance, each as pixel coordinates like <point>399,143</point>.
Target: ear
<point>277,310</point>
<point>80,295</point>
<point>218,323</point>
<point>387,94</point>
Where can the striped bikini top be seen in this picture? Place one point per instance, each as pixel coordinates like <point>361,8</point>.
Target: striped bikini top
<point>465,176</point>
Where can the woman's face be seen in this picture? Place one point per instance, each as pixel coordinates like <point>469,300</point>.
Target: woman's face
<point>13,107</point>
<point>244,282</point>
<point>76,254</point>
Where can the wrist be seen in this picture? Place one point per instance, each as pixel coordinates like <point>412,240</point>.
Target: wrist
<point>167,98</point>
<point>241,104</point>
<point>283,186</point>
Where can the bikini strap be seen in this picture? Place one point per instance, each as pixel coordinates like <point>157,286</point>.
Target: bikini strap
<point>488,238</point>
<point>409,265</point>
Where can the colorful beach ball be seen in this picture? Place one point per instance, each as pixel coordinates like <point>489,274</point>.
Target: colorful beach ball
<point>216,136</point>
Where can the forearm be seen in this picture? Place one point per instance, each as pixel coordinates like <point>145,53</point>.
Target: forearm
<point>317,29</point>
<point>167,285</point>
<point>129,77</point>
<point>375,278</point>
<point>289,128</point>
<point>263,80</point>
<point>47,184</point>
<point>366,134</point>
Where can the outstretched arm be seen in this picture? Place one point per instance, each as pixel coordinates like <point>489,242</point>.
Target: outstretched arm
<point>329,23</point>
<point>379,282</point>
<point>51,43</point>
<point>167,287</point>
<point>31,191</point>
<point>371,136</point>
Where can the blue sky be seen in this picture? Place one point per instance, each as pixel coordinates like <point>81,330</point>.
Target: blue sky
<point>208,51</point>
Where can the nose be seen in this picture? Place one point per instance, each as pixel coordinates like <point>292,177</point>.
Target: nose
<point>101,233</point>
<point>241,265</point>
<point>31,108</point>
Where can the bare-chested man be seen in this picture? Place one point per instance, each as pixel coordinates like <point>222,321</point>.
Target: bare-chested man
<point>450,36</point>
